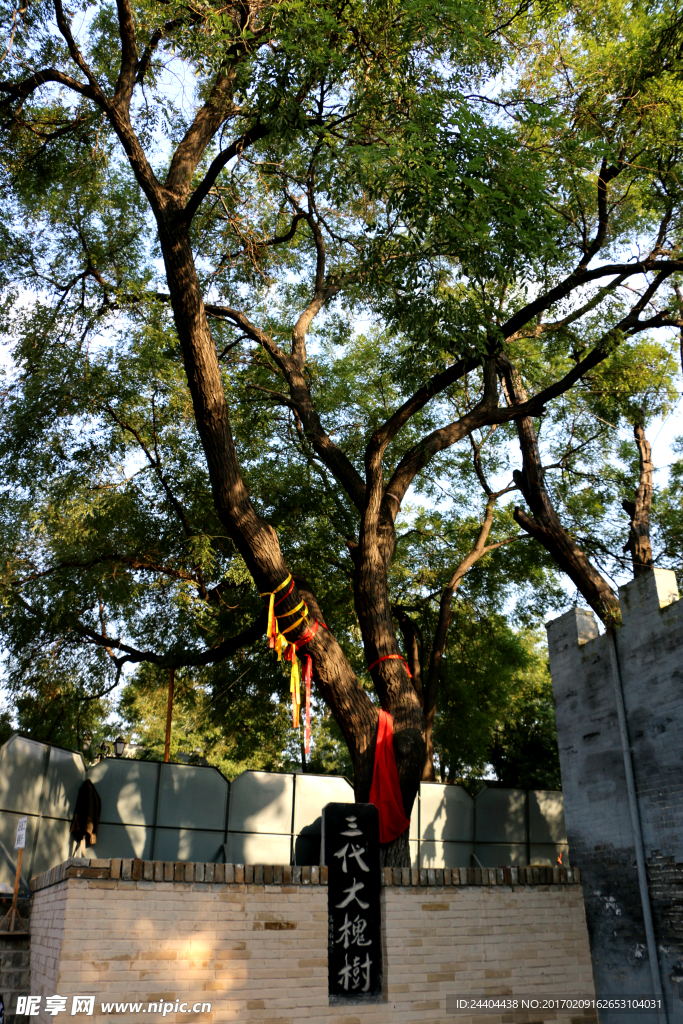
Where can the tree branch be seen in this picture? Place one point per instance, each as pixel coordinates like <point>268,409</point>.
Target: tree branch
<point>155,463</point>
<point>184,659</point>
<point>320,293</point>
<point>332,456</point>
<point>133,562</point>
<point>411,632</point>
<point>638,543</point>
<point>76,55</point>
<point>434,386</point>
<point>581,277</point>
<point>189,158</point>
<point>545,526</point>
<point>431,690</point>
<point>277,240</point>
<point>129,55</point>
<point>22,90</point>
<point>484,412</point>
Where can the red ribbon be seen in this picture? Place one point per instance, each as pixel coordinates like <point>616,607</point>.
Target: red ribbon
<point>308,675</point>
<point>391,657</point>
<point>385,792</point>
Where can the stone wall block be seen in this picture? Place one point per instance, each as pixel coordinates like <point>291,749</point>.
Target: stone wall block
<point>649,656</point>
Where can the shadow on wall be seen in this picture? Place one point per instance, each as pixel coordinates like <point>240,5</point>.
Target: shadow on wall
<point>449,828</point>
<point>149,810</point>
<point>159,811</point>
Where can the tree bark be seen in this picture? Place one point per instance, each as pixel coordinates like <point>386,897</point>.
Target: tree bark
<point>545,526</point>
<point>638,543</point>
<point>413,646</point>
<point>392,682</point>
<point>396,854</point>
<point>255,540</point>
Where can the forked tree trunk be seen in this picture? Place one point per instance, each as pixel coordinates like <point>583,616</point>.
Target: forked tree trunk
<point>638,543</point>
<point>258,544</point>
<point>254,538</point>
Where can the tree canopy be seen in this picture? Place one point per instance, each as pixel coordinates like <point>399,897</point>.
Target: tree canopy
<point>294,289</point>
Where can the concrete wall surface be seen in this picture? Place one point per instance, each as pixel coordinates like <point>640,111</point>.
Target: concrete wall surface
<point>148,809</point>
<point>649,648</point>
<point>255,947</point>
<point>192,813</point>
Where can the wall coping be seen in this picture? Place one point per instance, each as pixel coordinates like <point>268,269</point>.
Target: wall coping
<point>190,872</point>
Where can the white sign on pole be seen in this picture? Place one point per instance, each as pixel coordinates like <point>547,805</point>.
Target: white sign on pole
<point>20,841</point>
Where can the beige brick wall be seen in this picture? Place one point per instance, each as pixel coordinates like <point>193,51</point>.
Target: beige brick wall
<point>258,952</point>
<point>47,931</point>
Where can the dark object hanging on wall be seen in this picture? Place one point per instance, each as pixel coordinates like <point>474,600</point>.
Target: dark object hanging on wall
<point>86,817</point>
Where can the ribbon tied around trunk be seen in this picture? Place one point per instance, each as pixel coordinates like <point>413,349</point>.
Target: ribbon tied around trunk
<point>288,649</point>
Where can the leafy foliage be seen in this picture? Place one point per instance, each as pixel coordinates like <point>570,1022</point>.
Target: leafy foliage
<point>403,196</point>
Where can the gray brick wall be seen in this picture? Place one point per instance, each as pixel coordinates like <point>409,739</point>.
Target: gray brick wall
<point>15,962</point>
<point>599,830</point>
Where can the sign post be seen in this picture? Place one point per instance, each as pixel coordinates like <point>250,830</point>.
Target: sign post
<point>354,940</point>
<point>12,913</point>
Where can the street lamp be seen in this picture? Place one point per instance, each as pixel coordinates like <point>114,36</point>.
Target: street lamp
<point>119,746</point>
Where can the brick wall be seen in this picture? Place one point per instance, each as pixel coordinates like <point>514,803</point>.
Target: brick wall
<point>597,813</point>
<point>47,933</point>
<point>252,940</point>
<point>14,961</point>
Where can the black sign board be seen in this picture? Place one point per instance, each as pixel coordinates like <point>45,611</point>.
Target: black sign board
<point>351,853</point>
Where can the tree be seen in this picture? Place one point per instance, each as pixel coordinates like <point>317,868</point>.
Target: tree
<point>252,736</point>
<point>497,709</point>
<point>347,159</point>
<point>650,392</point>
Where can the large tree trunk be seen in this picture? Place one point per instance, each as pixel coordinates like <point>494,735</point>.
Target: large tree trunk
<point>396,854</point>
<point>392,681</point>
<point>257,543</point>
<point>255,539</point>
<point>638,543</point>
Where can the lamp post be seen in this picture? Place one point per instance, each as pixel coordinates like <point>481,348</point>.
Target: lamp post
<point>119,746</point>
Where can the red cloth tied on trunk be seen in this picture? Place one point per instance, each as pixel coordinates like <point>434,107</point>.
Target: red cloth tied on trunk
<point>385,792</point>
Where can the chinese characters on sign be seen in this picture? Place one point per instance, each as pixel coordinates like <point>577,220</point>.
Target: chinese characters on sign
<point>20,841</point>
<point>351,853</point>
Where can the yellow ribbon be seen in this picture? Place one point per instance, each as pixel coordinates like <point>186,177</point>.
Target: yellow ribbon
<point>280,643</point>
<point>301,604</point>
<point>271,630</point>
<point>295,624</point>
